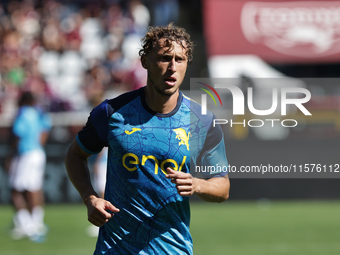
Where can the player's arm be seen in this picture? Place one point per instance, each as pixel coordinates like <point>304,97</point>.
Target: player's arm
<point>46,124</point>
<point>79,174</point>
<point>212,190</point>
<point>212,187</point>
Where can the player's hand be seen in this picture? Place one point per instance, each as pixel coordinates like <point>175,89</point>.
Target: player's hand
<point>185,183</point>
<point>97,210</point>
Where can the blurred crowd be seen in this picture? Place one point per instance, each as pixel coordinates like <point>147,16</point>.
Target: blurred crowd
<point>69,53</point>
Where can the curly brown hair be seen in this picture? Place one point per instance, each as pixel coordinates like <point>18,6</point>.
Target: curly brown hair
<point>170,33</point>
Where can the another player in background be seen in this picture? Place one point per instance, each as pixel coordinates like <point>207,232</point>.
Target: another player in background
<point>26,166</point>
<point>154,135</point>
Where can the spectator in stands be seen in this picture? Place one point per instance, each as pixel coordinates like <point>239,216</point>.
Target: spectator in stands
<point>50,33</point>
<point>165,11</point>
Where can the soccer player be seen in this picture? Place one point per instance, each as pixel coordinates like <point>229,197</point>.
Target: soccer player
<point>154,135</point>
<point>26,165</point>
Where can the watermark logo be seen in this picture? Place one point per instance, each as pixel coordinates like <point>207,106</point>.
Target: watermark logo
<point>239,101</point>
<point>268,100</point>
<point>204,97</point>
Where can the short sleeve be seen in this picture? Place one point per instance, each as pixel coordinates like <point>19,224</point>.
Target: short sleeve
<point>213,155</point>
<point>93,137</point>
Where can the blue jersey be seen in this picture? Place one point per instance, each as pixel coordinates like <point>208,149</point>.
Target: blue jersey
<point>28,126</point>
<point>153,217</point>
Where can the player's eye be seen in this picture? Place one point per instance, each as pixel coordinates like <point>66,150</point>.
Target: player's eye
<point>179,59</point>
<point>166,58</point>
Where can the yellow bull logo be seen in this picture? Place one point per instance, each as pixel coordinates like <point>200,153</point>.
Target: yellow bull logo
<point>182,136</point>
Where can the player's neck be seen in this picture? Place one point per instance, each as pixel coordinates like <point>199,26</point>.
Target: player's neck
<point>160,103</point>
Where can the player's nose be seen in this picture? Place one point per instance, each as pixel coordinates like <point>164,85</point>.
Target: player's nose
<point>172,65</point>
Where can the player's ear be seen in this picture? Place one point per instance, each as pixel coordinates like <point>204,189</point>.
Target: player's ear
<point>143,61</point>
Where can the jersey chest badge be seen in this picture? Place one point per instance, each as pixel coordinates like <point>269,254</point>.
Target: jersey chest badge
<point>182,136</point>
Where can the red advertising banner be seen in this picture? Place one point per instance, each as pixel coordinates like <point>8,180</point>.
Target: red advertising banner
<point>276,31</point>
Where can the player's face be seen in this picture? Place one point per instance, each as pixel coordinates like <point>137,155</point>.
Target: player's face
<point>166,68</point>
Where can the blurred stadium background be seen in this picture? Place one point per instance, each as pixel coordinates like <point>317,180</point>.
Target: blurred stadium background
<point>72,52</point>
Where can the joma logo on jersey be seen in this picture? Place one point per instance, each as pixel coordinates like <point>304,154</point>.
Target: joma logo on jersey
<point>182,136</point>
<point>131,161</point>
<point>132,131</point>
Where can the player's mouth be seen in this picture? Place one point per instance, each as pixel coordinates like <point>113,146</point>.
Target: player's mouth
<point>171,81</point>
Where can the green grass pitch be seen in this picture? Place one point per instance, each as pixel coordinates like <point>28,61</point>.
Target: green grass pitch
<point>232,228</point>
